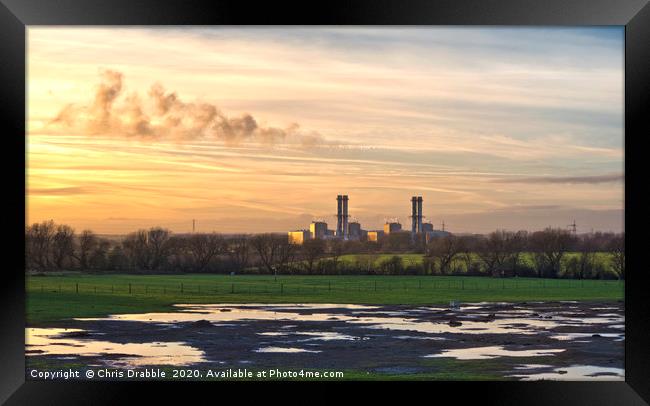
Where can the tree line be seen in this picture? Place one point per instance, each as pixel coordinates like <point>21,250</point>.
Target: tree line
<point>57,247</point>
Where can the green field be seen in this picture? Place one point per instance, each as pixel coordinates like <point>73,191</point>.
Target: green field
<point>52,299</point>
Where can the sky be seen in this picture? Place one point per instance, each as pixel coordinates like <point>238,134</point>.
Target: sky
<point>258,129</point>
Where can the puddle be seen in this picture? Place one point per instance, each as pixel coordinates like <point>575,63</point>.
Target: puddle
<point>216,315</point>
<point>327,336</point>
<point>492,352</point>
<point>577,373</point>
<point>574,336</point>
<point>284,349</point>
<point>54,342</point>
<point>354,336</point>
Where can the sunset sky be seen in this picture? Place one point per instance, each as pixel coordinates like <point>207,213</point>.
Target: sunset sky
<point>258,129</point>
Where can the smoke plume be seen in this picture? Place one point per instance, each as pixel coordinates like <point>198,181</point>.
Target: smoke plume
<point>163,115</point>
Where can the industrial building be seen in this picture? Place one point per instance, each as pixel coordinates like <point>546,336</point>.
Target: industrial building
<point>392,227</point>
<point>355,231</point>
<point>318,229</point>
<point>298,237</point>
<point>351,230</point>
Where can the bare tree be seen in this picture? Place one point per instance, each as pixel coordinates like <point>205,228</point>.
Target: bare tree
<point>444,250</point>
<point>468,246</point>
<point>549,246</point>
<point>136,249</point>
<point>286,252</point>
<point>493,252</point>
<point>99,255</point>
<point>87,243</point>
<point>616,247</point>
<point>266,246</point>
<point>239,251</point>
<point>38,245</point>
<point>63,246</point>
<point>587,246</point>
<point>203,248</point>
<point>157,241</point>
<point>336,248</point>
<point>515,244</point>
<point>311,251</point>
<point>148,249</point>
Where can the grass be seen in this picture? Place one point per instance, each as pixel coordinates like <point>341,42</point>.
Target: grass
<point>427,369</point>
<point>52,299</point>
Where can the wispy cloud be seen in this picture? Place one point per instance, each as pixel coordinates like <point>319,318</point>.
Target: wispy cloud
<point>590,179</point>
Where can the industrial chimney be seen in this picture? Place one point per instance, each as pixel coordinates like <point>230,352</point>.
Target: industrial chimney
<point>345,217</point>
<point>419,214</point>
<point>339,215</point>
<point>414,215</point>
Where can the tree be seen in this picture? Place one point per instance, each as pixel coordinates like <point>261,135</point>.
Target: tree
<point>336,248</point>
<point>587,247</point>
<point>515,244</point>
<point>157,241</point>
<point>311,251</point>
<point>285,253</point>
<point>136,249</point>
<point>203,248</point>
<point>549,247</point>
<point>265,246</point>
<point>63,246</point>
<point>468,246</point>
<point>444,250</point>
<point>275,251</point>
<point>99,255</point>
<point>117,259</point>
<point>493,252</point>
<point>616,247</point>
<point>38,245</point>
<point>239,251</point>
<point>148,249</point>
<point>87,243</point>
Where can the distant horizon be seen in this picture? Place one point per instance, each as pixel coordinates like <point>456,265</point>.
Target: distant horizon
<point>255,130</point>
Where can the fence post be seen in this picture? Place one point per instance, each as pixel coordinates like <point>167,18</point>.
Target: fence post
<point>76,287</point>
<point>129,288</point>
<point>95,289</point>
<point>281,288</point>
<point>232,288</point>
<point>462,284</point>
<point>375,286</point>
<point>181,288</point>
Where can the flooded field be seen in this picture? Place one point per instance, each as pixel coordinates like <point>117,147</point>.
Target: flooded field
<point>521,341</point>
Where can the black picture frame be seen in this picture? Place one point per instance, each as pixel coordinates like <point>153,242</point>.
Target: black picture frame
<point>16,15</point>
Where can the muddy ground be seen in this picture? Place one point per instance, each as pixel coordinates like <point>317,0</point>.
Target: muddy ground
<point>499,340</point>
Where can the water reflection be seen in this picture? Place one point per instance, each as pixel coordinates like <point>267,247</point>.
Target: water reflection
<point>492,352</point>
<point>41,341</point>
<point>576,373</point>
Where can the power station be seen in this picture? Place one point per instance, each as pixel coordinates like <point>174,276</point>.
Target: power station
<point>351,230</point>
